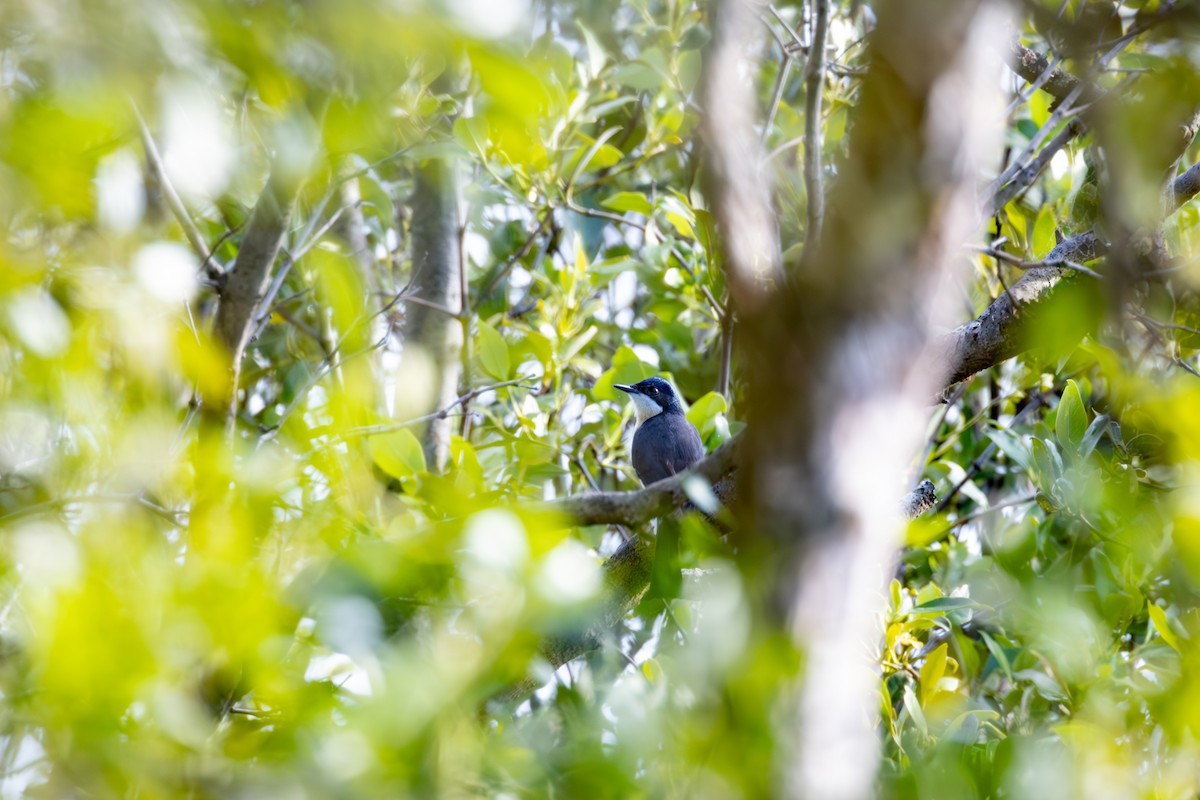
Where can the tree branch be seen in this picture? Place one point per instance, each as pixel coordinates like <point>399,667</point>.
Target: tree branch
<point>247,281</point>
<point>174,201</point>
<point>1033,66</point>
<point>996,334</point>
<point>628,571</point>
<point>639,506</point>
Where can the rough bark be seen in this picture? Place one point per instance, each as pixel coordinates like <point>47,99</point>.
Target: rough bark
<point>431,324</point>
<point>1031,65</point>
<point>996,334</point>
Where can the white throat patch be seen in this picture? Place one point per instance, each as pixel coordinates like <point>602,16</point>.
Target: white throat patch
<point>644,407</point>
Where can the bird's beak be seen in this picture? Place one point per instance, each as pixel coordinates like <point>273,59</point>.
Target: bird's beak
<point>625,387</point>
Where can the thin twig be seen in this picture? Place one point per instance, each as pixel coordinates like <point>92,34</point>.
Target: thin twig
<point>174,201</point>
<point>441,413</point>
<point>1186,366</point>
<point>725,370</point>
<point>1025,177</point>
<point>958,523</point>
<point>1022,264</point>
<point>800,46</point>
<point>167,514</point>
<point>263,315</point>
<point>1023,165</point>
<point>1029,89</point>
<point>311,241</point>
<point>785,69</point>
<point>814,79</point>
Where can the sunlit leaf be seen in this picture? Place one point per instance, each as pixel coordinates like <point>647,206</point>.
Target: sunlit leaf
<point>493,352</point>
<point>1043,231</point>
<point>1161,624</point>
<point>629,201</point>
<point>1071,423</point>
<point>398,453</point>
<point>942,604</point>
<point>932,671</point>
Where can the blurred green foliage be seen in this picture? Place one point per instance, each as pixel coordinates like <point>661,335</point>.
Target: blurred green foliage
<point>306,611</point>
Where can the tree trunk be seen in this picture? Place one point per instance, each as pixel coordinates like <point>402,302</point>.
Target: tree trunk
<point>839,353</point>
<point>431,322</point>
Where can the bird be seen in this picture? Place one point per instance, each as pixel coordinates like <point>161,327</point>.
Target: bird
<point>665,442</point>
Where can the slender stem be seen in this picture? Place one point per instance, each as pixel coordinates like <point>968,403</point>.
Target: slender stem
<point>785,70</point>
<point>441,413</point>
<point>174,201</point>
<point>726,354</point>
<point>814,77</point>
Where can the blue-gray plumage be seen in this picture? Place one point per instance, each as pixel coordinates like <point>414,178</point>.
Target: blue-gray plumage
<point>665,443</point>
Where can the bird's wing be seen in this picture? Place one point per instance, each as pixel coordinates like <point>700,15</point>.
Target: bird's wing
<point>688,446</point>
<point>664,446</point>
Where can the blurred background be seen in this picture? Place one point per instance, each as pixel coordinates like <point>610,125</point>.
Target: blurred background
<point>311,311</point>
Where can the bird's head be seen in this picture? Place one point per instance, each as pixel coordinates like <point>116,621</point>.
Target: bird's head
<point>650,397</point>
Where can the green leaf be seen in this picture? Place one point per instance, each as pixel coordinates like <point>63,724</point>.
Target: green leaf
<point>493,351</point>
<point>626,368</point>
<point>706,234</point>
<point>1047,466</point>
<point>997,653</point>
<point>931,672</point>
<point>636,202</point>
<point>703,410</point>
<point>398,453</point>
<point>1043,231</point>
<point>598,155</point>
<point>958,730</point>
<point>1070,423</point>
<point>666,579</point>
<point>1010,444</point>
<point>637,75</point>
<point>1092,436</point>
<point>679,214</point>
<point>596,56</point>
<point>914,709</point>
<point>532,453</point>
<point>1159,618</point>
<point>1045,685</point>
<point>940,604</point>
<point>1039,108</point>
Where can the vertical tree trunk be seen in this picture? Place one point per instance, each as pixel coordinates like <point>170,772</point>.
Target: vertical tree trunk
<point>838,352</point>
<point>431,321</point>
